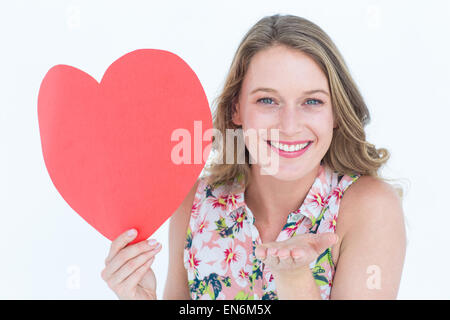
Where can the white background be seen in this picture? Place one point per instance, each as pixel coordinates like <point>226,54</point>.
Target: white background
<point>397,52</point>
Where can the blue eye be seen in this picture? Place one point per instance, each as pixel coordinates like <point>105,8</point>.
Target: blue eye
<point>265,98</point>
<point>314,100</point>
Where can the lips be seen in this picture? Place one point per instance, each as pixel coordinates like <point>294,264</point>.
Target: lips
<point>294,153</point>
<point>290,142</point>
<point>274,144</point>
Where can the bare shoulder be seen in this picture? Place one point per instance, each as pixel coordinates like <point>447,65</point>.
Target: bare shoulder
<point>369,188</point>
<point>367,206</point>
<point>372,236</point>
<point>369,199</point>
<point>177,283</point>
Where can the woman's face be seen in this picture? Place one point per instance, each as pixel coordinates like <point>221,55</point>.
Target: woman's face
<point>285,89</point>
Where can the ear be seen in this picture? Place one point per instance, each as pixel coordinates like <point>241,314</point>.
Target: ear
<point>236,114</point>
<point>335,125</point>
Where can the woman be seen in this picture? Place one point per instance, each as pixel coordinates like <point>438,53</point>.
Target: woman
<point>245,233</point>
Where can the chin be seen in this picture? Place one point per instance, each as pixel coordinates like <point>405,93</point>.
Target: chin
<point>287,172</point>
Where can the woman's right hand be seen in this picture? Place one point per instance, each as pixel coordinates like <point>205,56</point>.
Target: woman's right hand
<point>128,268</point>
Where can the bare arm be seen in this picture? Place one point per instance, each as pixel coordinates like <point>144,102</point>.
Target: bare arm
<point>177,283</point>
<point>373,247</point>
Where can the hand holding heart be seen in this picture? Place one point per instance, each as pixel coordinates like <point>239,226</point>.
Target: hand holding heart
<point>110,147</point>
<point>293,256</point>
<point>128,267</point>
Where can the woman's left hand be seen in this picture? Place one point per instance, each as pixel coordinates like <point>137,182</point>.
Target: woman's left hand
<point>291,257</point>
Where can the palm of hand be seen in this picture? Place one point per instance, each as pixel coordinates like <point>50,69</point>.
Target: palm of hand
<point>294,254</point>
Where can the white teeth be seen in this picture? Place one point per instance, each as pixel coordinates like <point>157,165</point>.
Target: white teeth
<point>289,148</point>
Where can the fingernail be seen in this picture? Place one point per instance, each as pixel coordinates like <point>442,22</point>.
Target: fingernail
<point>152,242</point>
<point>131,232</point>
<point>158,245</point>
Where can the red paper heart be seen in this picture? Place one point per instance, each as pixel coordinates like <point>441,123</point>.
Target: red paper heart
<point>107,146</point>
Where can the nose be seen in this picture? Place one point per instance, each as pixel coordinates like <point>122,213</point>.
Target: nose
<point>290,121</point>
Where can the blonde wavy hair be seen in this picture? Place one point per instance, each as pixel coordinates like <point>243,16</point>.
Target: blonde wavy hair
<point>349,152</point>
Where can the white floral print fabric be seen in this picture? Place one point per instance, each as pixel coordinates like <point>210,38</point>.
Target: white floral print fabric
<point>221,238</point>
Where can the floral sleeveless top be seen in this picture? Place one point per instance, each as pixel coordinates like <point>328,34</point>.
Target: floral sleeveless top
<point>221,238</point>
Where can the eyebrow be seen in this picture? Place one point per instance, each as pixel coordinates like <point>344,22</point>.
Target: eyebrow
<point>275,91</point>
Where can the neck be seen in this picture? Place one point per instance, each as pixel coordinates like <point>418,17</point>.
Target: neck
<point>270,199</point>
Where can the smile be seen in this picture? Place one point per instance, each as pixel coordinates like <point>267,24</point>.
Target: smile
<point>290,150</point>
